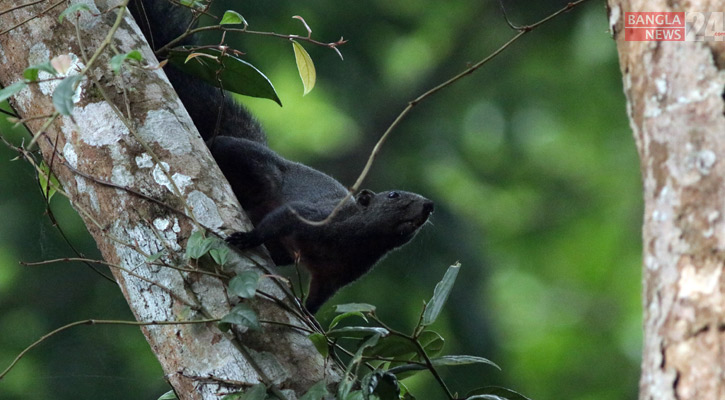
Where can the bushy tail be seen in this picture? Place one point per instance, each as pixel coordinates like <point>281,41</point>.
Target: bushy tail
<point>162,21</point>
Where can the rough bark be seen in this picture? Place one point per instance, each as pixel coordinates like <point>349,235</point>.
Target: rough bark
<point>675,101</point>
<point>199,360</point>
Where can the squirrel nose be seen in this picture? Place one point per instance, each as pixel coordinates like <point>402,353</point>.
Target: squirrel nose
<point>428,207</point>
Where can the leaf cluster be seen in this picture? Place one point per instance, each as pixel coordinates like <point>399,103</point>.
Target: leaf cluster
<point>379,358</point>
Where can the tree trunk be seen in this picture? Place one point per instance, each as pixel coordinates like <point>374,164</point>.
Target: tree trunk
<point>142,179</point>
<point>675,101</point>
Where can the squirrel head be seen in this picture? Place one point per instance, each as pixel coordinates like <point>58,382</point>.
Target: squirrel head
<point>394,216</point>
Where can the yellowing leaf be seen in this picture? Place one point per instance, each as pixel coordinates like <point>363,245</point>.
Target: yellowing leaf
<point>47,176</point>
<point>194,55</point>
<point>305,66</point>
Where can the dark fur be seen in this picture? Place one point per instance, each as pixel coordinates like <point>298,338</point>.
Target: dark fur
<point>275,192</point>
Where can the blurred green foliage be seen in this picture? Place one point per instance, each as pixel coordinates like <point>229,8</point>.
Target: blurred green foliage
<point>530,162</point>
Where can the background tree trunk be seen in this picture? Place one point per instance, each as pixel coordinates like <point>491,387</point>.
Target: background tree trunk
<point>122,142</point>
<point>675,93</point>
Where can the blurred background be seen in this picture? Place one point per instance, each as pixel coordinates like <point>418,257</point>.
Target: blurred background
<point>530,162</point>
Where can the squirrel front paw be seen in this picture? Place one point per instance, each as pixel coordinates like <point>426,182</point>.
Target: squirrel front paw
<point>243,240</point>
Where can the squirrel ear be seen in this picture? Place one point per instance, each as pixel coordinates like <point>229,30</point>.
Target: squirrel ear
<point>363,198</point>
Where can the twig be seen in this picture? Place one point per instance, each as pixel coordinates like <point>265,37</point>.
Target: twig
<point>124,188</point>
<point>467,71</point>
<point>288,325</point>
<point>33,17</point>
<point>98,322</point>
<point>20,6</point>
<point>53,220</point>
<point>126,270</point>
<point>506,17</point>
<point>373,155</point>
<point>10,113</point>
<point>19,120</point>
<point>421,351</point>
<point>330,45</point>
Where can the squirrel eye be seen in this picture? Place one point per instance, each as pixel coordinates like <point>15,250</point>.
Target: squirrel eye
<point>393,195</point>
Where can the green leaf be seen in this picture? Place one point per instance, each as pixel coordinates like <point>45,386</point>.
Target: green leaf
<point>194,4</point>
<point>245,284</point>
<point>117,60</point>
<point>345,386</point>
<point>440,295</point>
<point>404,394</point>
<point>443,362</point>
<point>498,392</point>
<point>170,395</point>
<point>198,245</point>
<point>305,66</point>
<point>317,392</point>
<point>354,307</point>
<point>31,73</point>
<point>341,317</point>
<point>357,332</point>
<point>393,347</point>
<point>432,342</point>
<point>233,396</point>
<point>405,368</point>
<point>243,315</point>
<point>461,360</point>
<point>72,9</point>
<point>48,192</point>
<point>63,94</point>
<point>220,255</point>
<point>382,384</point>
<point>403,349</point>
<point>231,17</point>
<point>235,74</point>
<point>320,343</point>
<point>256,392</point>
<point>356,395</point>
<point>10,91</point>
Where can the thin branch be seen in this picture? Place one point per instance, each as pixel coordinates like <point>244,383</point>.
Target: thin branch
<point>11,115</point>
<point>330,45</point>
<point>432,368</point>
<point>421,351</point>
<point>19,120</point>
<point>43,128</point>
<point>422,97</point>
<point>126,270</point>
<point>506,17</point>
<point>120,187</point>
<point>20,6</point>
<point>449,82</point>
<point>33,17</point>
<point>25,154</point>
<point>97,322</point>
<point>288,325</point>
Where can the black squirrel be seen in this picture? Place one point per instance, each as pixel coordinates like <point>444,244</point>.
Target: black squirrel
<point>276,192</point>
